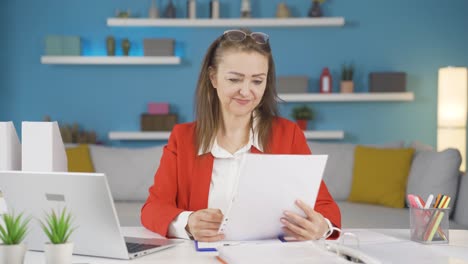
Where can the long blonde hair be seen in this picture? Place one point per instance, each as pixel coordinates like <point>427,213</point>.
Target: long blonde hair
<point>208,108</point>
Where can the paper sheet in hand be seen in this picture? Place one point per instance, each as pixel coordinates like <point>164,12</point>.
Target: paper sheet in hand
<point>267,186</point>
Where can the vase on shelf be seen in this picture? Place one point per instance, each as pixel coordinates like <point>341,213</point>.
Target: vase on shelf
<point>325,81</point>
<point>125,46</point>
<point>282,11</point>
<point>245,9</point>
<point>315,10</point>
<point>153,12</point>
<point>214,9</point>
<point>170,11</point>
<point>191,9</point>
<point>110,46</point>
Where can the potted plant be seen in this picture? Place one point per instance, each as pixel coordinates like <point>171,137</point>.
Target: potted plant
<point>57,227</point>
<point>12,233</point>
<point>347,83</point>
<point>302,114</point>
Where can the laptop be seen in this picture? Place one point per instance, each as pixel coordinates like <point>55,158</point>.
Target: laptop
<point>87,196</point>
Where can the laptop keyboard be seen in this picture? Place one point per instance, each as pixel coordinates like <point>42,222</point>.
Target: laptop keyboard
<point>135,247</point>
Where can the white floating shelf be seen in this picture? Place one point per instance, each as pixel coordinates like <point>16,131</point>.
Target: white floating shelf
<point>324,134</point>
<point>108,60</point>
<point>227,22</point>
<point>165,135</point>
<point>139,135</point>
<point>347,97</point>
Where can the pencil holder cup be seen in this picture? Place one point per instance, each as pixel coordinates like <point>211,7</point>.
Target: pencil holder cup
<point>429,226</point>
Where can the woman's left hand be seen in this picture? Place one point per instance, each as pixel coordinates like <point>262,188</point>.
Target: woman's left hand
<point>312,227</point>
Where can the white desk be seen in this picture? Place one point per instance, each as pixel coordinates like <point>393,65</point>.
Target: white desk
<point>387,245</point>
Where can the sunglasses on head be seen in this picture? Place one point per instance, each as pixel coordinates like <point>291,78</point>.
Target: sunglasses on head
<point>239,35</point>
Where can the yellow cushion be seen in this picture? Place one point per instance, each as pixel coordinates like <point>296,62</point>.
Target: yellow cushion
<point>380,175</point>
<point>79,159</point>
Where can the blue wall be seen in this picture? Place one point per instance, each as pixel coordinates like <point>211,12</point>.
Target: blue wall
<point>416,36</point>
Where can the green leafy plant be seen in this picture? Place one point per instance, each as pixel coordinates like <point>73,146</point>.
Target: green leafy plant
<point>57,226</point>
<point>302,113</point>
<point>319,1</point>
<point>14,229</point>
<point>347,72</point>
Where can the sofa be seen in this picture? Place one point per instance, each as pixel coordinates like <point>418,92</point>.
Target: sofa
<point>130,173</point>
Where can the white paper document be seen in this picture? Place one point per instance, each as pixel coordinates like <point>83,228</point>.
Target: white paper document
<point>296,252</point>
<point>267,186</point>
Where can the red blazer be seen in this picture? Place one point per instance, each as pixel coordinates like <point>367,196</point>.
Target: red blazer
<point>182,181</point>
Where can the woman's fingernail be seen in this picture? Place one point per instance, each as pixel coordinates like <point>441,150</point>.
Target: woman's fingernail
<point>286,213</point>
<point>299,202</point>
<point>283,221</point>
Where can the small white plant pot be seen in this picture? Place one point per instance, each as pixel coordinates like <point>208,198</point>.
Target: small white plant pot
<point>12,254</point>
<point>58,253</point>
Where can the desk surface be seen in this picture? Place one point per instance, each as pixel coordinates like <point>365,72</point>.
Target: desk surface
<point>387,245</point>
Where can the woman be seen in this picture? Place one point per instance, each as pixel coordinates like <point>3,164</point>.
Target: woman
<point>236,113</point>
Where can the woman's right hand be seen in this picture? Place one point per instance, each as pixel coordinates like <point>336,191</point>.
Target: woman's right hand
<point>204,225</point>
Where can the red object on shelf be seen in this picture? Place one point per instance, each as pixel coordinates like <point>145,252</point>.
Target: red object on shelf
<point>302,124</point>
<point>325,81</point>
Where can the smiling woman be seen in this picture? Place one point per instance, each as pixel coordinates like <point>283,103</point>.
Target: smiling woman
<point>236,114</point>
<point>238,67</point>
<point>240,82</point>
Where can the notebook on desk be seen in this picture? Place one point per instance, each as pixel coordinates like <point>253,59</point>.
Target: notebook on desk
<point>87,196</point>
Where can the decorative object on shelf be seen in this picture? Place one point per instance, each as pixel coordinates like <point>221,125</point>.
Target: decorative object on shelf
<point>158,108</point>
<point>125,46</point>
<point>191,9</point>
<point>170,11</point>
<point>153,11</point>
<point>60,45</point>
<point>158,47</point>
<point>343,97</point>
<point>12,233</point>
<point>326,81</point>
<point>282,11</point>
<point>57,227</point>
<point>150,122</point>
<point>347,83</point>
<point>214,9</point>
<point>387,82</point>
<point>158,117</point>
<point>292,84</point>
<point>246,12</point>
<point>123,14</point>
<point>316,8</point>
<point>302,114</point>
<point>110,46</point>
<point>72,134</point>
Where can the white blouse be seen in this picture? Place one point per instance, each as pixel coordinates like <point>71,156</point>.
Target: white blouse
<point>223,180</point>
